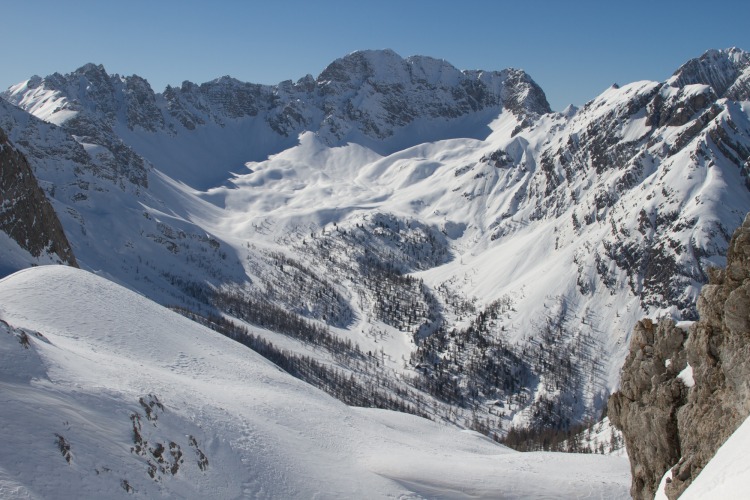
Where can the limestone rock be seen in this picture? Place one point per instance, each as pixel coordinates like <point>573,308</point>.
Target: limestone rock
<point>646,405</point>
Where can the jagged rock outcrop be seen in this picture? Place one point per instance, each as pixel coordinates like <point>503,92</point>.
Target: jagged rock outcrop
<point>25,213</point>
<point>682,395</point>
<point>671,124</point>
<point>378,91</point>
<point>645,408</point>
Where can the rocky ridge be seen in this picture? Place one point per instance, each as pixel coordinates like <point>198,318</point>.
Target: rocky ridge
<point>684,392</point>
<point>366,95</point>
<point>726,71</point>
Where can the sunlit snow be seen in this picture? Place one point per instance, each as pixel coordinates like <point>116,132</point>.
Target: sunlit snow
<point>96,352</point>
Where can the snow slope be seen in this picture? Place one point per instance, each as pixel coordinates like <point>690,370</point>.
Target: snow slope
<point>96,379</point>
<point>726,475</point>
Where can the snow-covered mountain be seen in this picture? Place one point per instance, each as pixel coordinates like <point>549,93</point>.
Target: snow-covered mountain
<point>199,133</point>
<point>402,224</point>
<point>108,395</point>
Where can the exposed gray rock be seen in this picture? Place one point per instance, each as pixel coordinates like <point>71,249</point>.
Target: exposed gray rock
<point>646,405</point>
<point>95,103</point>
<point>659,268</point>
<point>667,424</point>
<point>25,213</point>
<point>679,109</point>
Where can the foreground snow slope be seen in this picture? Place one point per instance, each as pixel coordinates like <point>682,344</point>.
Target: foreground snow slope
<point>105,394</point>
<point>726,475</point>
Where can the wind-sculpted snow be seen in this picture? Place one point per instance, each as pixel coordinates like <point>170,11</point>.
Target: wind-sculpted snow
<point>107,395</point>
<point>488,258</point>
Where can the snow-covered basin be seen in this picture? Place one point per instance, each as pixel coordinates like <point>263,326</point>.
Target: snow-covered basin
<point>264,433</point>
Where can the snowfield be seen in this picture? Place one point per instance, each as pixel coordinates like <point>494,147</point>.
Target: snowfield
<point>106,394</point>
<point>726,475</point>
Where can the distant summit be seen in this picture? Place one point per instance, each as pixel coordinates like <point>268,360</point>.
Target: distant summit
<point>726,71</point>
<point>365,95</point>
<point>375,98</point>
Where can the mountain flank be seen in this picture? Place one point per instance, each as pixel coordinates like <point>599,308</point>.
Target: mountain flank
<point>26,214</point>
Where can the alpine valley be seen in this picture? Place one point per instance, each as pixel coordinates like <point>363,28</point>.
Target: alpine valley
<point>396,232</point>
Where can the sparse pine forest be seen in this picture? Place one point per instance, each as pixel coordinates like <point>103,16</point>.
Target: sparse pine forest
<point>463,368</point>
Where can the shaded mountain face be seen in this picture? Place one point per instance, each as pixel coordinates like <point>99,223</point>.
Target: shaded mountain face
<point>88,103</point>
<point>27,216</point>
<point>490,258</point>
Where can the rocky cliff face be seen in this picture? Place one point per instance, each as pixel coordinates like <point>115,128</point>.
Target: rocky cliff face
<point>683,393</point>
<point>25,213</point>
<point>89,104</point>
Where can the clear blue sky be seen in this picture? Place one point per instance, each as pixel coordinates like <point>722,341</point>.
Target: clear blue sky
<point>573,49</point>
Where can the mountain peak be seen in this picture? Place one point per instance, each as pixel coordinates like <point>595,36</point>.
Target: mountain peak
<point>727,71</point>
<point>734,54</point>
<point>362,64</point>
<point>93,73</point>
<point>375,54</point>
<point>569,111</point>
<point>91,67</point>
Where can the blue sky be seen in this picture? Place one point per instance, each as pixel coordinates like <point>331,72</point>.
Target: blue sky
<point>573,49</point>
